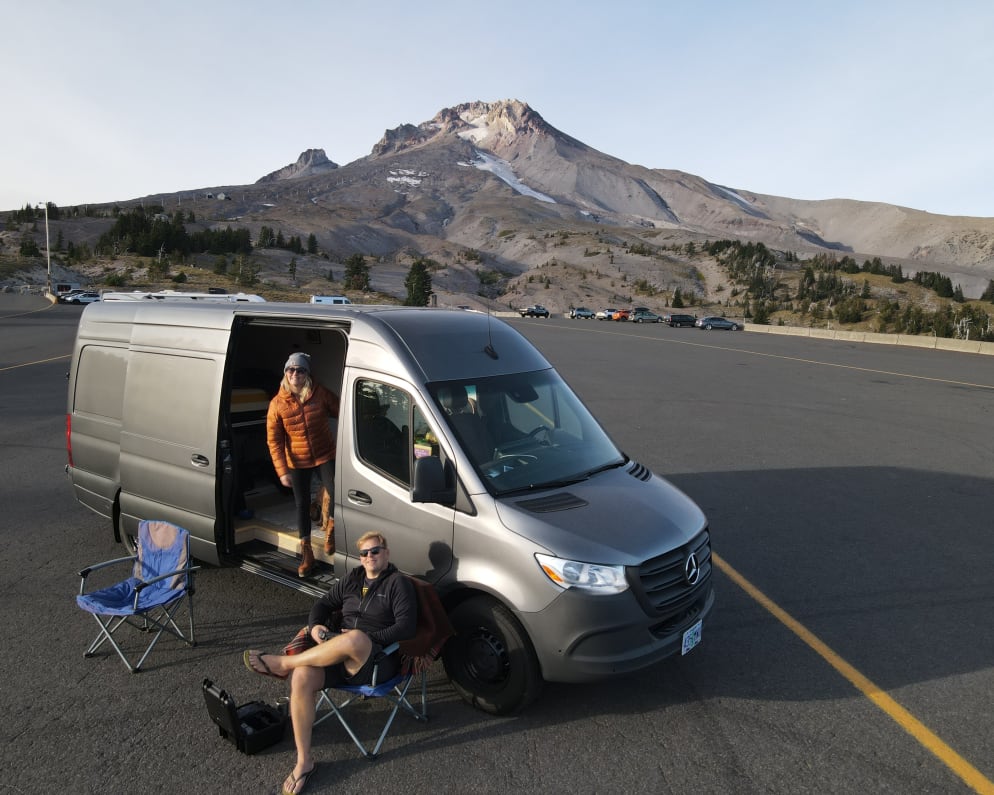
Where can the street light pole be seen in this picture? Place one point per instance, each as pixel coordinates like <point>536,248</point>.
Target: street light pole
<point>48,248</point>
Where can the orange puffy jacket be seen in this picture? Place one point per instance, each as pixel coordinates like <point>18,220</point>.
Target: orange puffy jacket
<point>298,434</point>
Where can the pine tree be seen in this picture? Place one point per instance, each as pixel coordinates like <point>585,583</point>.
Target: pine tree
<point>356,273</point>
<point>418,283</point>
<point>312,244</point>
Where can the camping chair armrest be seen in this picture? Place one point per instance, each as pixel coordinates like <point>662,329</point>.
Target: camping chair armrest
<point>382,654</point>
<point>141,586</point>
<point>145,583</point>
<point>84,573</point>
<point>386,651</point>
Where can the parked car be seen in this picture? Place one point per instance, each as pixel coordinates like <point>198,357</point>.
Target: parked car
<point>66,297</point>
<point>645,316</point>
<point>675,321</point>
<point>635,309</point>
<point>581,312</point>
<point>606,314</point>
<point>620,314</point>
<point>534,311</point>
<point>83,298</point>
<point>708,323</point>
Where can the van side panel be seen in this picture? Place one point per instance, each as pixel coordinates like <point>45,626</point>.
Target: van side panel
<point>169,443</point>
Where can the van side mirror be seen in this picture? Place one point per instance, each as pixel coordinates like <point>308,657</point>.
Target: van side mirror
<point>430,482</point>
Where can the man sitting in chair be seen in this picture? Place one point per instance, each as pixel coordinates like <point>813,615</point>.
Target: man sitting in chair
<point>378,607</point>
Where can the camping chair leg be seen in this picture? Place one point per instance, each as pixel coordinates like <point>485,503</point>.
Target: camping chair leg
<point>107,634</point>
<point>149,623</point>
<point>397,697</point>
<point>166,624</point>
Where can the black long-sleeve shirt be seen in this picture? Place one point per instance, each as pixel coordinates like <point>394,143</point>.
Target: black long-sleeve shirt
<point>387,613</point>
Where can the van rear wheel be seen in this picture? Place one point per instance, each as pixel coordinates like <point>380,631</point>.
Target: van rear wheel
<point>490,660</point>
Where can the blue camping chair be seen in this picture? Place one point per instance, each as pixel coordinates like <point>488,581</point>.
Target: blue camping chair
<point>417,655</point>
<point>161,580</point>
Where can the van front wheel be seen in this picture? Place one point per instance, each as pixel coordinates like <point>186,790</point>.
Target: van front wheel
<point>490,660</point>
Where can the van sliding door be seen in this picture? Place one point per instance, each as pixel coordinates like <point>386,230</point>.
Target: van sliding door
<point>169,444</point>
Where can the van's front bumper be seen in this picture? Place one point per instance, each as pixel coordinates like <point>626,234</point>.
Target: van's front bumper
<point>581,638</point>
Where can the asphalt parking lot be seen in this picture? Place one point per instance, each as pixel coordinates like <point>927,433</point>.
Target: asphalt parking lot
<point>849,490</point>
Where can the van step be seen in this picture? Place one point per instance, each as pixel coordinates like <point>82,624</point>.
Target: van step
<point>282,568</point>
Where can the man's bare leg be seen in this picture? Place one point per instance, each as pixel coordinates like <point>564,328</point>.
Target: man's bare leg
<point>351,648</point>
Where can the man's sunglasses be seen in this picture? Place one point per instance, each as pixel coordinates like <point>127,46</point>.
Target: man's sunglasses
<point>295,370</point>
<point>371,551</point>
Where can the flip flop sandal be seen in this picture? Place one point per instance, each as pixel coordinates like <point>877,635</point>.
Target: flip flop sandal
<point>298,784</point>
<point>246,658</point>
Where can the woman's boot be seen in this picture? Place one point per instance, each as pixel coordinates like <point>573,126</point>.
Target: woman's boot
<point>329,537</point>
<point>306,558</point>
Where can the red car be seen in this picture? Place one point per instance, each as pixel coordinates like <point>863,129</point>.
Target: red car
<point>620,314</point>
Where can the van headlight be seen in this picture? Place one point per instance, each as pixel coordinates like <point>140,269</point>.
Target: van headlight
<point>591,577</point>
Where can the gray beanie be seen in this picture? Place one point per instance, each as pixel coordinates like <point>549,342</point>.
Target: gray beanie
<point>298,360</point>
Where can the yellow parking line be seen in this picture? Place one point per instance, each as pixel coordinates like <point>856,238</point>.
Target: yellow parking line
<point>970,775</point>
<point>28,364</point>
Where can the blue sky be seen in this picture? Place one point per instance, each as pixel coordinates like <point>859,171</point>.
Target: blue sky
<point>889,101</point>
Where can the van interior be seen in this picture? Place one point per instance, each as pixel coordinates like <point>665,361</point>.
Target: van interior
<point>264,517</point>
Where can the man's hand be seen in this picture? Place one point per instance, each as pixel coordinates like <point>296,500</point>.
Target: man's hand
<point>320,633</point>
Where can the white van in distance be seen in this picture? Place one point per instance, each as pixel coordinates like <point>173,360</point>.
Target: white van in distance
<point>329,299</point>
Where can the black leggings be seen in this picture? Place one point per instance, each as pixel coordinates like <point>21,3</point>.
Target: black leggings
<point>300,479</point>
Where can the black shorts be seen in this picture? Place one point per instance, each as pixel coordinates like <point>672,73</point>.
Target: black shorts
<point>335,675</point>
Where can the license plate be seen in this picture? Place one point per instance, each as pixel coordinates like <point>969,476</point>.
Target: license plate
<point>691,637</point>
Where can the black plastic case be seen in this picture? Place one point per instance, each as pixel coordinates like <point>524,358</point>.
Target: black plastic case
<point>251,727</point>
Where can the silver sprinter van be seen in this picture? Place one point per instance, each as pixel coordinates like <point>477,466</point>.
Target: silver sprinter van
<point>557,556</point>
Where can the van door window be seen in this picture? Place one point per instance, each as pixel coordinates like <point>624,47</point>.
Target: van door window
<point>382,428</point>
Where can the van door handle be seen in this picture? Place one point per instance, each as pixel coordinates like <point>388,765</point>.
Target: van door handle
<point>199,460</point>
<point>360,497</point>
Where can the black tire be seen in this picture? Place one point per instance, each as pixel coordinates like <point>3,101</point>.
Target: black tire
<point>490,660</point>
<point>735,327</point>
<point>708,327</point>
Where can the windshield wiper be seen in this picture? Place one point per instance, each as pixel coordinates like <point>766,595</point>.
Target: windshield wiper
<point>605,468</point>
<point>549,484</point>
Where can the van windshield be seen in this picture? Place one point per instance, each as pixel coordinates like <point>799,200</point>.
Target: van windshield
<point>525,432</point>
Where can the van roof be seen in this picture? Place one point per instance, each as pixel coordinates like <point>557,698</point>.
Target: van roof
<point>440,344</point>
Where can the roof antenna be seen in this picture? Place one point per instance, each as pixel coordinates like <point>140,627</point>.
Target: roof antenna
<point>490,350</point>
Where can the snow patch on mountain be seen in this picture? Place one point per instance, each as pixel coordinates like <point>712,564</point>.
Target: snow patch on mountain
<point>407,176</point>
<point>502,169</point>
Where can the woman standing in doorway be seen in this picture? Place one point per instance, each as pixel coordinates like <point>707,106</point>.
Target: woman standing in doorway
<point>300,443</point>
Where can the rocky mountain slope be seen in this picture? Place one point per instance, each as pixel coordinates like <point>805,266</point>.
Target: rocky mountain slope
<point>490,188</point>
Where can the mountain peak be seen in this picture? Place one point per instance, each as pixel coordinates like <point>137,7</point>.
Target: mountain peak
<point>489,125</point>
<point>310,162</point>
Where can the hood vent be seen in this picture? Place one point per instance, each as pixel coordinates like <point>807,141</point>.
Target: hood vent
<point>640,472</point>
<point>554,502</point>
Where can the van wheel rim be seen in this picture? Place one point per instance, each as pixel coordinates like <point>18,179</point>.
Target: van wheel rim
<point>487,659</point>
